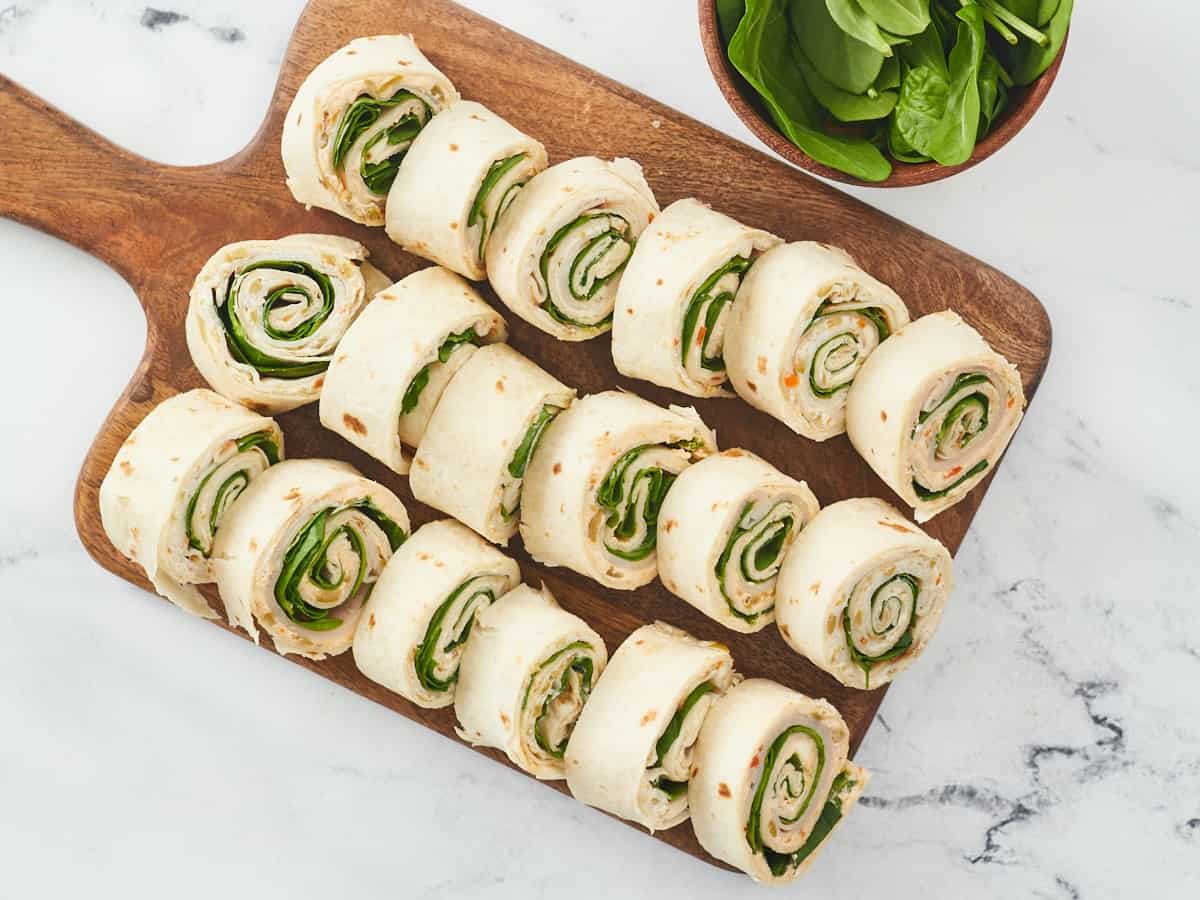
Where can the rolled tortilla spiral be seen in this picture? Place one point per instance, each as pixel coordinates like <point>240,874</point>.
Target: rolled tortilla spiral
<point>394,362</point>
<point>631,751</point>
<point>724,531</point>
<point>771,779</point>
<point>422,610</point>
<point>558,254</point>
<point>805,320</point>
<point>932,410</point>
<point>301,551</point>
<point>265,317</point>
<point>673,303</point>
<point>528,670</point>
<point>173,482</point>
<point>353,120</point>
<point>459,178</point>
<point>862,592</point>
<point>509,399</point>
<point>593,490</point>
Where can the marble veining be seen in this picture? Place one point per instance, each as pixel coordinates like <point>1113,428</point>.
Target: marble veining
<point>1047,746</point>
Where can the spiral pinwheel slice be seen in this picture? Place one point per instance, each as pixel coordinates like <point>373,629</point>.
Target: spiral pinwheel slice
<point>631,751</point>
<point>422,610</point>
<point>459,178</point>
<point>557,256</point>
<point>673,303</point>
<point>593,490</point>
<point>723,533</point>
<point>932,410</point>
<point>265,317</point>
<point>527,671</point>
<point>806,319</point>
<point>301,550</point>
<point>397,358</point>
<point>771,779</point>
<point>472,459</point>
<point>172,485</point>
<point>862,591</point>
<point>353,120</point>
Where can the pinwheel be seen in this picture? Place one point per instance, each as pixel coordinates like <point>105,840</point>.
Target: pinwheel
<point>862,591</point>
<point>557,256</point>
<point>805,320</point>
<point>394,362</point>
<point>723,533</point>
<point>631,751</point>
<point>510,401</point>
<point>932,410</point>
<point>173,482</point>
<point>301,550</point>
<point>528,670</point>
<point>593,490</point>
<point>353,120</point>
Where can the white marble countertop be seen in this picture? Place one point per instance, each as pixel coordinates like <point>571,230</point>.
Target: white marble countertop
<point>1047,746</point>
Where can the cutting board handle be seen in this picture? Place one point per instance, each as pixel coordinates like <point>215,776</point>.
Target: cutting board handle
<point>62,178</point>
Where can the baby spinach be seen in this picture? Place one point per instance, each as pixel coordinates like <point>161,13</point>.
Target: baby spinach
<point>850,17</point>
<point>850,82</point>
<point>761,51</point>
<point>845,106</point>
<point>898,16</point>
<point>844,60</point>
<point>954,137</point>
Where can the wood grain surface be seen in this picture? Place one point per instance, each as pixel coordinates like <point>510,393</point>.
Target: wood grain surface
<point>157,224</point>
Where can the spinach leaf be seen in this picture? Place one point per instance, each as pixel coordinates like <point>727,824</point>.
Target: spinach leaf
<point>760,50</point>
<point>729,14</point>
<point>1028,60</point>
<point>898,16</point>
<point>954,139</point>
<point>889,75</point>
<point>1046,11</point>
<point>1024,9</point>
<point>850,17</point>
<point>924,92</point>
<point>844,60</point>
<point>844,106</point>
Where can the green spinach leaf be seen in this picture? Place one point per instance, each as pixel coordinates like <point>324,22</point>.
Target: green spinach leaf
<point>850,17</point>
<point>729,14</point>
<point>954,139</point>
<point>844,60</point>
<point>844,106</point>
<point>898,16</point>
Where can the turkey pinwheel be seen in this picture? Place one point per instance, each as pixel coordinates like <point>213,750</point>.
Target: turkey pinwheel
<point>507,399</point>
<point>353,120</point>
<point>672,306</point>
<point>805,320</point>
<point>173,483</point>
<point>458,179</point>
<point>932,410</point>
<point>723,532</point>
<point>772,779</point>
<point>631,751</point>
<point>397,358</point>
<point>301,550</point>
<point>862,591</point>
<point>557,256</point>
<point>265,317</point>
<point>593,490</point>
<point>421,611</point>
<point>528,670</point>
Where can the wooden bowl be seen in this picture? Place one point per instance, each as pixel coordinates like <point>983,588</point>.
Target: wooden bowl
<point>1023,102</point>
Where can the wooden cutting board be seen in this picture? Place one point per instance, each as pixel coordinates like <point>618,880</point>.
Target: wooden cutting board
<point>157,224</point>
